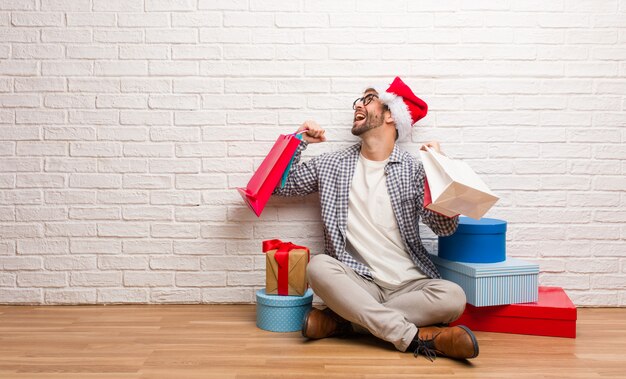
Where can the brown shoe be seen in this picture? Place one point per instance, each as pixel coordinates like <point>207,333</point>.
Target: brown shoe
<point>324,323</point>
<point>454,342</point>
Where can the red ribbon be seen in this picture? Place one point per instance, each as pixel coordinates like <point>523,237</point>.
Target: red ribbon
<point>282,259</point>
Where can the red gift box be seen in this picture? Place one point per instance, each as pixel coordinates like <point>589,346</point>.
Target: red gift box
<point>553,315</point>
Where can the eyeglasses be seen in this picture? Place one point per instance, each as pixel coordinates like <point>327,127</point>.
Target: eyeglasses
<point>365,100</point>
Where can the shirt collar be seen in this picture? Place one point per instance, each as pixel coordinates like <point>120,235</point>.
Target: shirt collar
<point>354,150</point>
<point>396,154</point>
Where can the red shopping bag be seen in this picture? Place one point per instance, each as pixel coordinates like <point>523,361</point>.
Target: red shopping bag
<point>264,181</point>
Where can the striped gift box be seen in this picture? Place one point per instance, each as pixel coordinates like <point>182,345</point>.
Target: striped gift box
<point>512,281</point>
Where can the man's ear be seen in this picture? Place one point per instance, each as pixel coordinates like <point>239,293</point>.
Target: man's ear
<point>388,118</point>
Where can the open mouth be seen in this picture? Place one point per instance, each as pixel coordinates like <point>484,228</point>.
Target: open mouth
<point>359,116</point>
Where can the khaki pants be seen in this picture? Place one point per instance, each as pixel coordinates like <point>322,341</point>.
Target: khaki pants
<point>391,315</point>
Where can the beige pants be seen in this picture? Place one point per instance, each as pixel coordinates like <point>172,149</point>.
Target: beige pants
<point>391,315</point>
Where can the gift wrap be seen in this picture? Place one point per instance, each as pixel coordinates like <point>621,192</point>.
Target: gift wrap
<point>282,313</point>
<point>485,284</point>
<point>285,268</point>
<point>552,315</point>
<point>475,241</point>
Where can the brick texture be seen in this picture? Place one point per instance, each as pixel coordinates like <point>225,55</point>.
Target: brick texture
<point>126,124</point>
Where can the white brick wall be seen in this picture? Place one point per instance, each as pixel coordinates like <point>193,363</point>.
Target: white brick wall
<point>126,124</point>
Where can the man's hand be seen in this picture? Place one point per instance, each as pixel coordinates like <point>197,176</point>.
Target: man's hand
<point>314,133</point>
<point>433,145</point>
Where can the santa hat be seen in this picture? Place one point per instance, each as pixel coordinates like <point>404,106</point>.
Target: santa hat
<point>405,107</point>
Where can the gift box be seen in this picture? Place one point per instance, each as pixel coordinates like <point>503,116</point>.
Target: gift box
<point>553,315</point>
<point>509,282</point>
<point>282,313</point>
<point>475,241</point>
<point>285,268</point>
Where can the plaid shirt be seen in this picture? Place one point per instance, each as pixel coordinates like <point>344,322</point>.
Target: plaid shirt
<point>331,174</point>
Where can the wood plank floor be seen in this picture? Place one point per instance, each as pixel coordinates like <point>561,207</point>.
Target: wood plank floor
<point>222,341</point>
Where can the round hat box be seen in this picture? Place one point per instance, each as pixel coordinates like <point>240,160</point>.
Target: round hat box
<point>282,313</point>
<point>475,241</point>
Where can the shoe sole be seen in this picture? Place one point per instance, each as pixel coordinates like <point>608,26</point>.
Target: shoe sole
<point>474,341</point>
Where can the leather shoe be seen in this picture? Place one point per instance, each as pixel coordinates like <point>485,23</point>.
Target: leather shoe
<point>454,342</point>
<point>324,323</point>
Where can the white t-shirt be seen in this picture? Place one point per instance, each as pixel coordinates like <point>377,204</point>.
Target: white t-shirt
<point>373,236</point>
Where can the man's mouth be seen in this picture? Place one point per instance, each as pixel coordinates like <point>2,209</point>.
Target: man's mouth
<point>359,116</point>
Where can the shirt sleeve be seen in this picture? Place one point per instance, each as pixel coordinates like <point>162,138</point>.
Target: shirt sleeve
<point>302,178</point>
<point>441,225</point>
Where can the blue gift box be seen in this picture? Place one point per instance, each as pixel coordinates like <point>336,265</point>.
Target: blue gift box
<point>282,313</point>
<point>475,241</point>
<point>510,282</point>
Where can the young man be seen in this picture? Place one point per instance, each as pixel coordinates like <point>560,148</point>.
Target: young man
<point>375,273</point>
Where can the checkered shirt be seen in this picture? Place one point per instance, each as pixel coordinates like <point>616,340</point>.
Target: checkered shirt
<point>331,174</point>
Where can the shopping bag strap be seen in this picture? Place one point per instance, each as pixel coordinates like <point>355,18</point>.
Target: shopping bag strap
<point>300,132</point>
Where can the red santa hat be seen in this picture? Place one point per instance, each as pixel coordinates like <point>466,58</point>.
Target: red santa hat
<point>405,107</point>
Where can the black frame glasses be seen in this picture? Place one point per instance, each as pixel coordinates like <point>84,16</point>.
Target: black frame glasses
<point>365,99</point>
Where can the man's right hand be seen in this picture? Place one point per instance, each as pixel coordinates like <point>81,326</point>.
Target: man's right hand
<point>314,133</point>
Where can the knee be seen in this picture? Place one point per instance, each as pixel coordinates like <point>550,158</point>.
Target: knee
<point>456,300</point>
<point>317,267</point>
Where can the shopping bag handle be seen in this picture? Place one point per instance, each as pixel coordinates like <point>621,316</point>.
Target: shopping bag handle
<point>300,132</point>
<point>430,150</point>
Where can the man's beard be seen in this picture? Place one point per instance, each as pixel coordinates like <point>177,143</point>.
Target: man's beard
<point>369,124</point>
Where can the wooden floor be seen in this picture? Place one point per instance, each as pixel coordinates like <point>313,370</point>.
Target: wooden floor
<point>222,341</point>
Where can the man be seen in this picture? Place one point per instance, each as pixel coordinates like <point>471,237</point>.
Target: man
<point>375,273</point>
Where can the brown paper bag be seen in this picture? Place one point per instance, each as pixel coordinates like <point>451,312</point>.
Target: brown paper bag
<point>454,187</point>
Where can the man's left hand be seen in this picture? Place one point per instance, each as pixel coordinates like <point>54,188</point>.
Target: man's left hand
<point>433,145</point>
